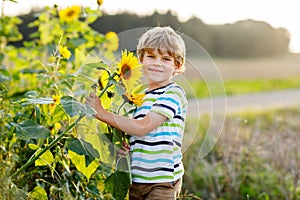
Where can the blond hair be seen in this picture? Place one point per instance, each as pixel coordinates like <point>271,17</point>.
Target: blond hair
<point>163,39</point>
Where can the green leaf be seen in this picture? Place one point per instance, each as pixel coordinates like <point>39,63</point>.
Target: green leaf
<point>93,189</point>
<point>117,137</point>
<point>41,100</point>
<point>120,89</point>
<point>33,146</point>
<point>73,107</point>
<point>98,65</point>
<point>83,78</point>
<point>4,78</point>
<point>1,58</point>
<point>32,71</point>
<point>79,57</point>
<point>117,184</point>
<point>45,159</point>
<point>58,115</point>
<point>38,114</point>
<point>31,94</point>
<point>103,145</point>
<point>30,130</point>
<point>80,164</point>
<point>92,15</point>
<point>82,147</point>
<point>75,42</point>
<point>38,193</point>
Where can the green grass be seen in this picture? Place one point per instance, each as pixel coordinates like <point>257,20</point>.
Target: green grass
<point>256,157</point>
<point>200,89</point>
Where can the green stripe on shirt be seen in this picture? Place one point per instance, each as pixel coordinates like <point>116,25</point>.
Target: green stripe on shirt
<point>163,113</point>
<point>149,99</point>
<point>152,152</point>
<point>178,172</point>
<point>172,125</point>
<point>151,178</point>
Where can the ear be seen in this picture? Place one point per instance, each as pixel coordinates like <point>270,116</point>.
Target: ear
<point>177,67</point>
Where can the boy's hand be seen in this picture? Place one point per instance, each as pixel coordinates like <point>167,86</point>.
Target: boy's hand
<point>95,103</point>
<point>124,150</point>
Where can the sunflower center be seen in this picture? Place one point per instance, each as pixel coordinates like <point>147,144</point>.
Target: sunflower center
<point>126,71</point>
<point>70,13</point>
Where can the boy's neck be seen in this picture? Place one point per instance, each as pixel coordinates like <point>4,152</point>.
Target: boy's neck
<point>153,86</point>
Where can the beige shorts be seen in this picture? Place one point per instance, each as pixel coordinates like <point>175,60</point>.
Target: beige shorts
<point>155,191</point>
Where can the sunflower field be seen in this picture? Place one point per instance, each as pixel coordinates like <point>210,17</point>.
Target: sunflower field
<point>51,146</point>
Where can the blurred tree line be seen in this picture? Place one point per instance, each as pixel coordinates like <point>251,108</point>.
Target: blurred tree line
<point>247,38</point>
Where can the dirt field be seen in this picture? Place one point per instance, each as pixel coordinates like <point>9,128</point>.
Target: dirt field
<point>255,68</point>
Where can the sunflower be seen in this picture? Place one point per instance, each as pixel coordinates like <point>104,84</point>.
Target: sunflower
<point>64,52</point>
<point>56,101</point>
<point>112,41</point>
<point>136,96</point>
<point>56,98</point>
<point>136,99</point>
<point>129,70</point>
<point>70,13</point>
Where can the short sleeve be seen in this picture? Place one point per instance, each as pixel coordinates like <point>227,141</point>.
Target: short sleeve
<point>169,103</point>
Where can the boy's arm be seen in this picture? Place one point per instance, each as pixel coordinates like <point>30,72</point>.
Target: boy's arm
<point>135,127</point>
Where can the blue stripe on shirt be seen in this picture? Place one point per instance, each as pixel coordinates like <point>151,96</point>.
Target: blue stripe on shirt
<point>171,100</point>
<point>143,108</point>
<point>163,134</point>
<point>176,157</point>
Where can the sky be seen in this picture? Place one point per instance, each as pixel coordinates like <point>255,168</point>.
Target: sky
<point>278,13</point>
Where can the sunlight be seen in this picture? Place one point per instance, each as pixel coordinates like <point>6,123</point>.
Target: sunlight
<point>211,12</point>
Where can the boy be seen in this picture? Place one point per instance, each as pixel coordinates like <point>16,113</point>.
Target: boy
<point>158,124</point>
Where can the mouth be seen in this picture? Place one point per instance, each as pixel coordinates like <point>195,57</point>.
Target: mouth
<point>155,70</point>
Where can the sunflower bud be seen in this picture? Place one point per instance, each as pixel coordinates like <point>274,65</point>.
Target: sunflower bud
<point>99,2</point>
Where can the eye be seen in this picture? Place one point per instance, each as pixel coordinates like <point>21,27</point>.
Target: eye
<point>150,56</point>
<point>167,59</point>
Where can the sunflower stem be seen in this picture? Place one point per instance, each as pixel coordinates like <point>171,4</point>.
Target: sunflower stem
<point>118,111</point>
<point>129,168</point>
<point>107,85</point>
<point>39,154</point>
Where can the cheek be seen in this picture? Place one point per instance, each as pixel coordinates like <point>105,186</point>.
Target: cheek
<point>171,70</point>
<point>144,68</point>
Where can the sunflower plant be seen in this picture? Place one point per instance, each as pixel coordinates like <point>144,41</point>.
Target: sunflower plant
<point>118,84</point>
<point>119,89</point>
<point>48,151</point>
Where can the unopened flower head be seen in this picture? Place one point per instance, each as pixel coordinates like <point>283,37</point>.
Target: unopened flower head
<point>99,2</point>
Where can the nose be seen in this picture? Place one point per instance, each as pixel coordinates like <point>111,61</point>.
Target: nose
<point>157,62</point>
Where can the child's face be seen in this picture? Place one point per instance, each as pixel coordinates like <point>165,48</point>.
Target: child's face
<point>158,68</point>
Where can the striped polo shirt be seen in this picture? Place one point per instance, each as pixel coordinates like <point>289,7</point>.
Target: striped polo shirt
<point>156,157</point>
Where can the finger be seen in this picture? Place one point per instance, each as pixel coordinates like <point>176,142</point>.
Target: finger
<point>125,144</point>
<point>121,153</point>
<point>88,98</point>
<point>88,101</point>
<point>92,95</point>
